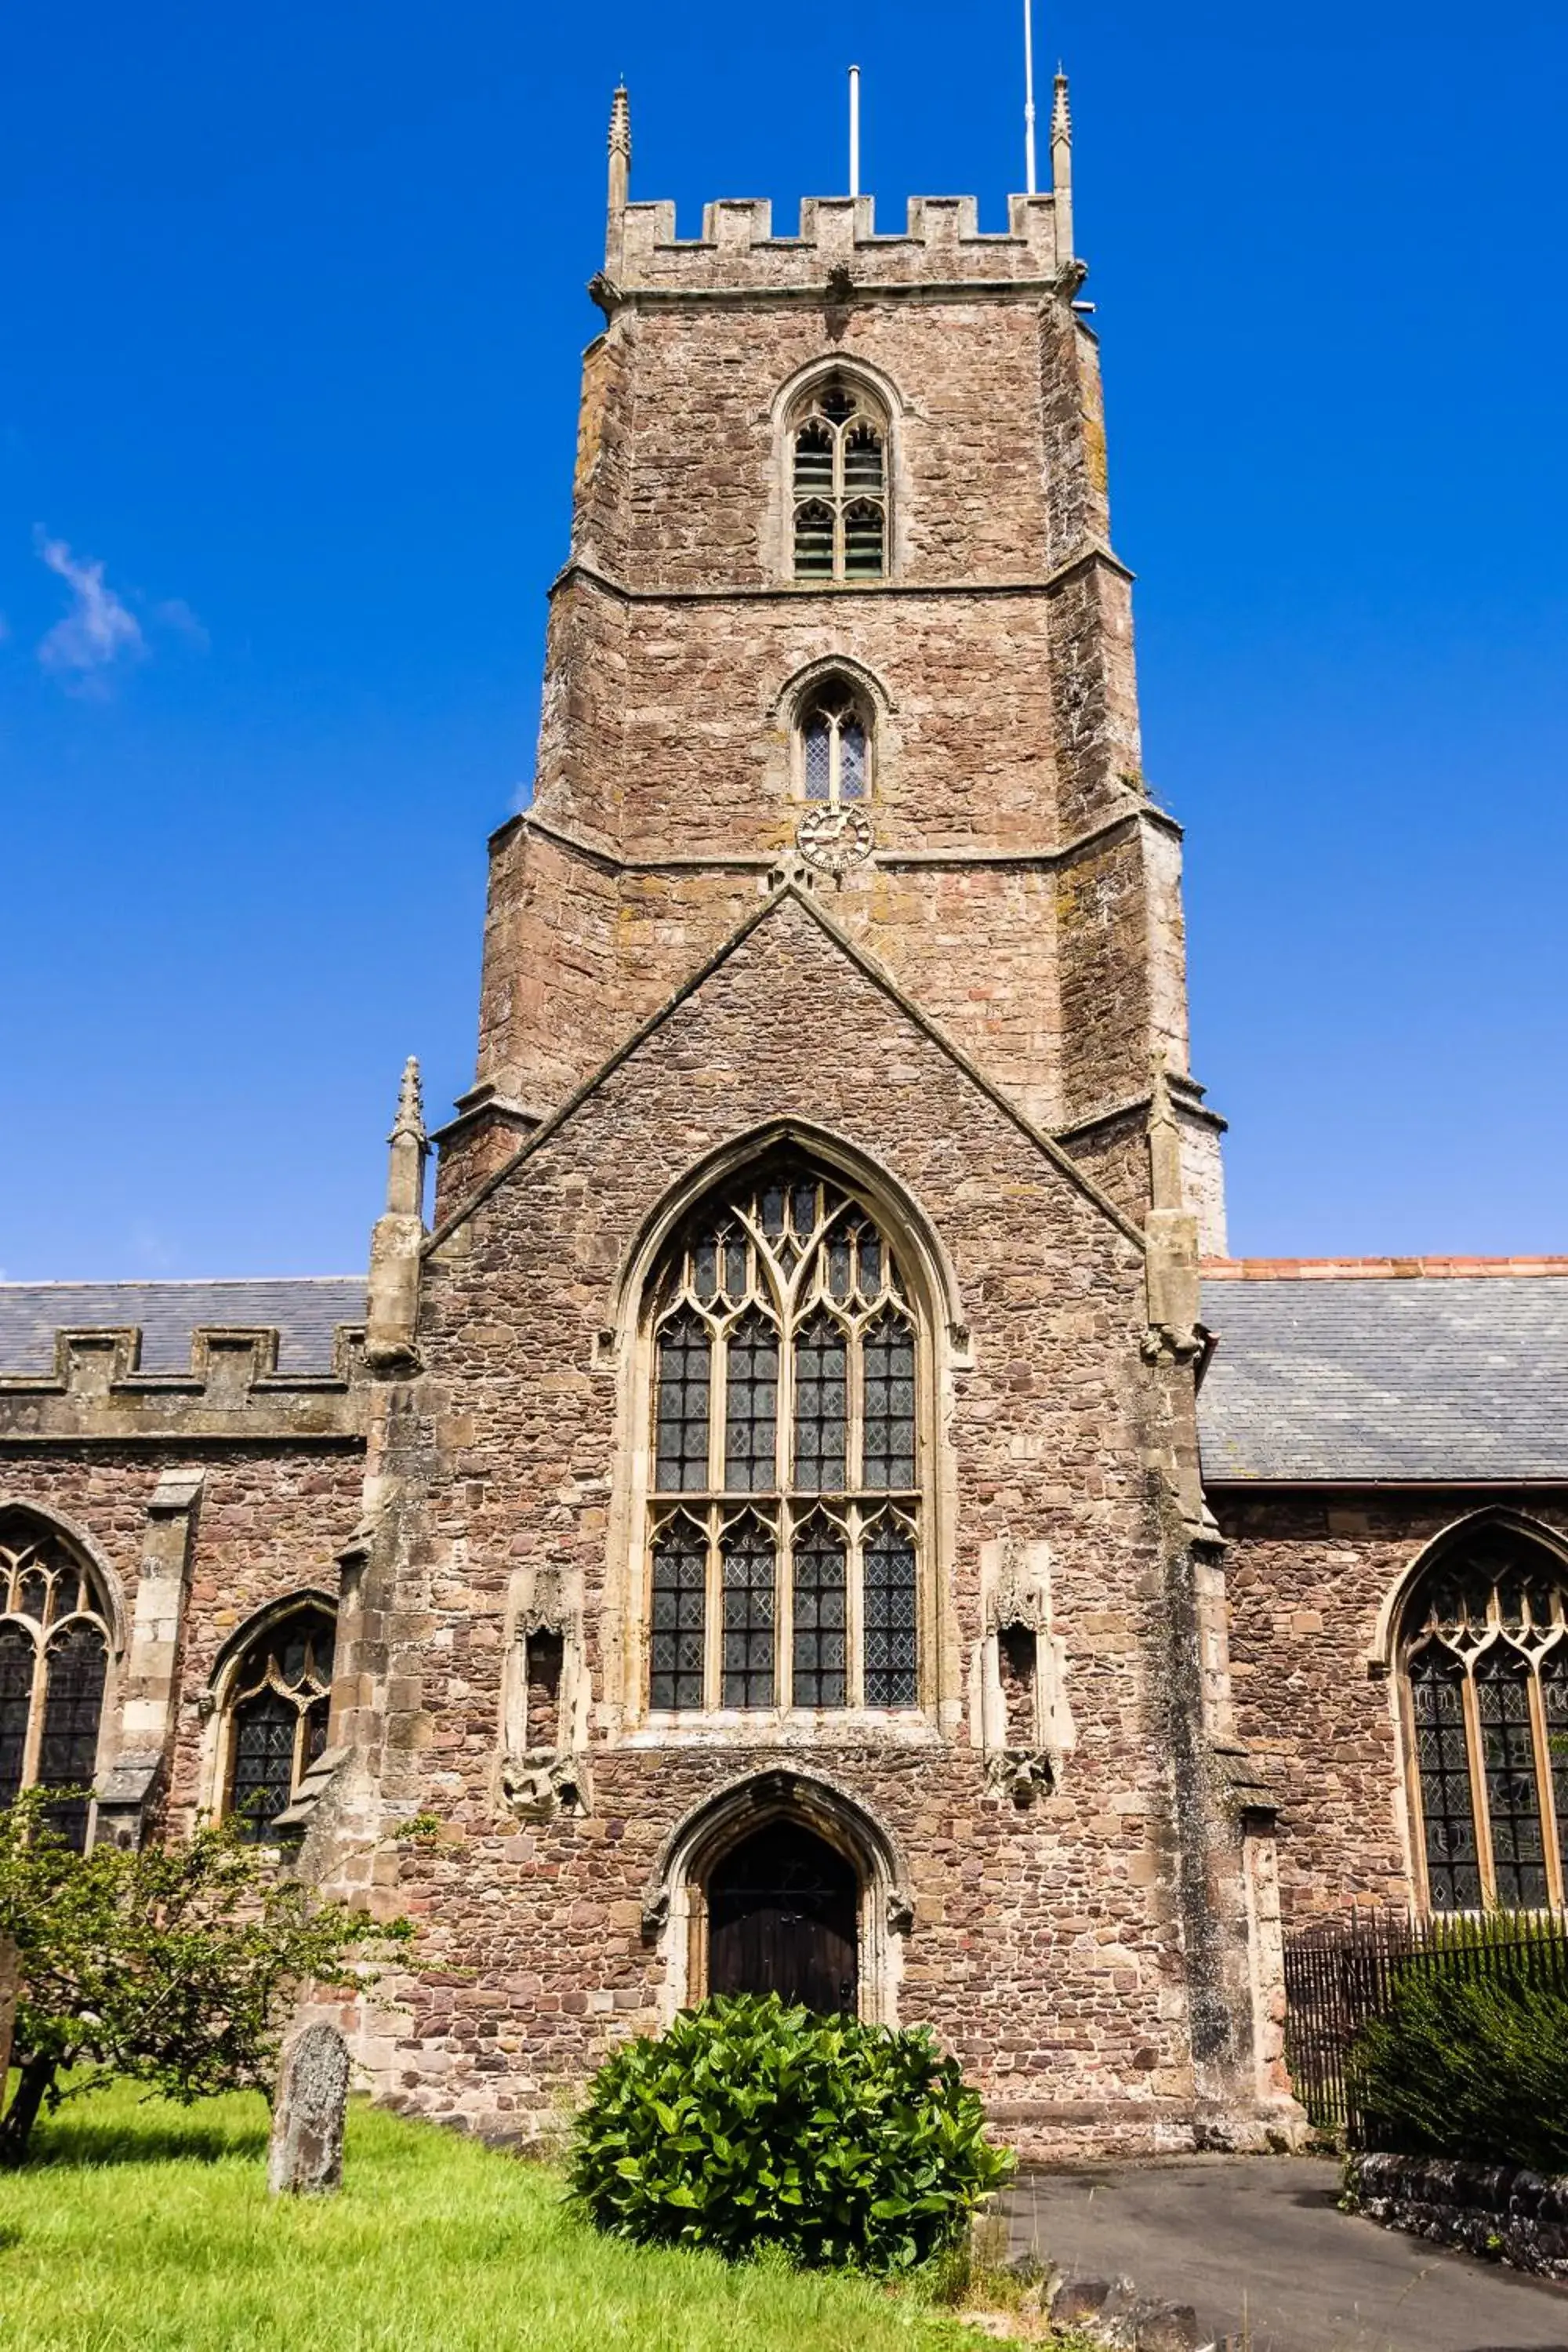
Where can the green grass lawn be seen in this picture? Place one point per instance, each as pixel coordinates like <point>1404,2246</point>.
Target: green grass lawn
<point>144,2227</point>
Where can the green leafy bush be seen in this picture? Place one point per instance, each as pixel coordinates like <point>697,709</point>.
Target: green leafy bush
<point>749,2125</point>
<point>1471,2066</point>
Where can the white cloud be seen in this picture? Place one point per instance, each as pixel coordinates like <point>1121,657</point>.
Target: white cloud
<point>98,631</point>
<point>176,615</point>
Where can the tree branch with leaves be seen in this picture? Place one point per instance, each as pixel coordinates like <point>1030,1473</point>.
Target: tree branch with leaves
<point>176,1965</point>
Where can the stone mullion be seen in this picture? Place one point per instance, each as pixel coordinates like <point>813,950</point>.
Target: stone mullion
<point>853,1606</point>
<point>783,1475</point>
<point>1480,1809</point>
<point>32,1745</point>
<point>1546,1793</point>
<point>713,1621</point>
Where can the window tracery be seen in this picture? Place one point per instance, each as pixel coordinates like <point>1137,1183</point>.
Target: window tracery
<point>786,1511</point>
<point>275,1715</point>
<point>1485,1663</point>
<point>54,1668</point>
<point>838,480</point>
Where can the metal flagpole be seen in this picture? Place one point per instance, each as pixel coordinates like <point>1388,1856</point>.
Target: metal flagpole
<point>1028,97</point>
<point>854,130</point>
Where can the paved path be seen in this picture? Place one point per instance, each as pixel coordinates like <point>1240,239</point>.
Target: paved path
<point>1257,2246</point>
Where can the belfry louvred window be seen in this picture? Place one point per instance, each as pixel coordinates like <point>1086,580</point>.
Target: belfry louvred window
<point>786,1512</point>
<point>275,1715</point>
<point>54,1665</point>
<point>839,483</point>
<point>1485,1668</point>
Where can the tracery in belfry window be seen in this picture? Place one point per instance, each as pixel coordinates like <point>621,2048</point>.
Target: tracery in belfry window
<point>1485,1668</point>
<point>275,1714</point>
<point>786,1512</point>
<point>53,1666</point>
<point>838,480</point>
<point>835,745</point>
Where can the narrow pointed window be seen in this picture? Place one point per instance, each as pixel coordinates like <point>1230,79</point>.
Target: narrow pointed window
<point>839,485</point>
<point>275,1715</point>
<point>1485,1669</point>
<point>53,1670</point>
<point>785,1368</point>
<point>834,744</point>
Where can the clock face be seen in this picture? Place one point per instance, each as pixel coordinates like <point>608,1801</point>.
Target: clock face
<point>834,838</point>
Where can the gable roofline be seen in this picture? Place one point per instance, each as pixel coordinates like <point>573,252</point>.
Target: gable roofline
<point>879,978</point>
<point>1378,1269</point>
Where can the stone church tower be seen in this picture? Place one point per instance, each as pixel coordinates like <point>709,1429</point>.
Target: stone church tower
<point>783,1561</point>
<point>795,1518</point>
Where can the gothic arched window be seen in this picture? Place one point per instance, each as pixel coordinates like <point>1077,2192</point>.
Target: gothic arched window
<point>834,744</point>
<point>54,1665</point>
<point>838,481</point>
<point>275,1714</point>
<point>1484,1661</point>
<point>787,1514</point>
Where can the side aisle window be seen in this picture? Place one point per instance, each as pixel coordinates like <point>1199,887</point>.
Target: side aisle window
<point>53,1666</point>
<point>275,1715</point>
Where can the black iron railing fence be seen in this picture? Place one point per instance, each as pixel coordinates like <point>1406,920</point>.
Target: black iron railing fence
<point>1337,1976</point>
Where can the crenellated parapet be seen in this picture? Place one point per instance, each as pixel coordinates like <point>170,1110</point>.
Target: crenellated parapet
<point>942,243</point>
<point>97,1391</point>
<point>836,243</point>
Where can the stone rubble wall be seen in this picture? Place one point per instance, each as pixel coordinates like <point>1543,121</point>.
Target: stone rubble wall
<point>1493,2210</point>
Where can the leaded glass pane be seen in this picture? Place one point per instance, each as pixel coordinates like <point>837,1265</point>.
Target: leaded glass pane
<point>749,1610</point>
<point>677,1641</point>
<point>75,1670</point>
<point>888,1606</point>
<point>1554,1705</point>
<point>821,1641</point>
<point>818,758</point>
<point>18,1663</point>
<point>684,1377</point>
<point>261,1779</point>
<point>1513,1794</point>
<point>751,1405</point>
<point>32,1595</point>
<point>890,1416</point>
<point>852,761</point>
<point>1443,1766</point>
<point>821,1406</point>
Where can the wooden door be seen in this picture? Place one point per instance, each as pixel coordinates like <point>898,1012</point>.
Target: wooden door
<point>783,1914</point>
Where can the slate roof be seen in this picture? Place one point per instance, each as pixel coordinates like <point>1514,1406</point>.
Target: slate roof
<point>305,1311</point>
<point>1385,1369</point>
<point>1327,1372</point>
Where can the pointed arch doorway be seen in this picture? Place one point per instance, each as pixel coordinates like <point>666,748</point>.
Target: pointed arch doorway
<point>782,1917</point>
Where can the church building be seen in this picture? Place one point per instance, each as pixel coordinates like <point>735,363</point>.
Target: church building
<point>802,1500</point>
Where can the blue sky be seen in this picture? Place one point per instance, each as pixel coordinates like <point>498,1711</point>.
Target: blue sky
<point>293,303</point>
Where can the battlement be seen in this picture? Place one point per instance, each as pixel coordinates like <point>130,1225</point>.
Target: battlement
<point>942,242</point>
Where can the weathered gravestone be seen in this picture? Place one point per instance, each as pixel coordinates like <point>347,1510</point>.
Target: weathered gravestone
<point>306,2154</point>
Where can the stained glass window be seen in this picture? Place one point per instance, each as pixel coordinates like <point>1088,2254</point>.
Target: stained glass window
<point>54,1667</point>
<point>680,1616</point>
<point>752,1407</point>
<point>747,1553</point>
<point>839,481</point>
<point>821,1623</point>
<point>889,1586</point>
<point>1486,1665</point>
<point>685,1353</point>
<point>890,1403</point>
<point>276,1715</point>
<point>784,1336</point>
